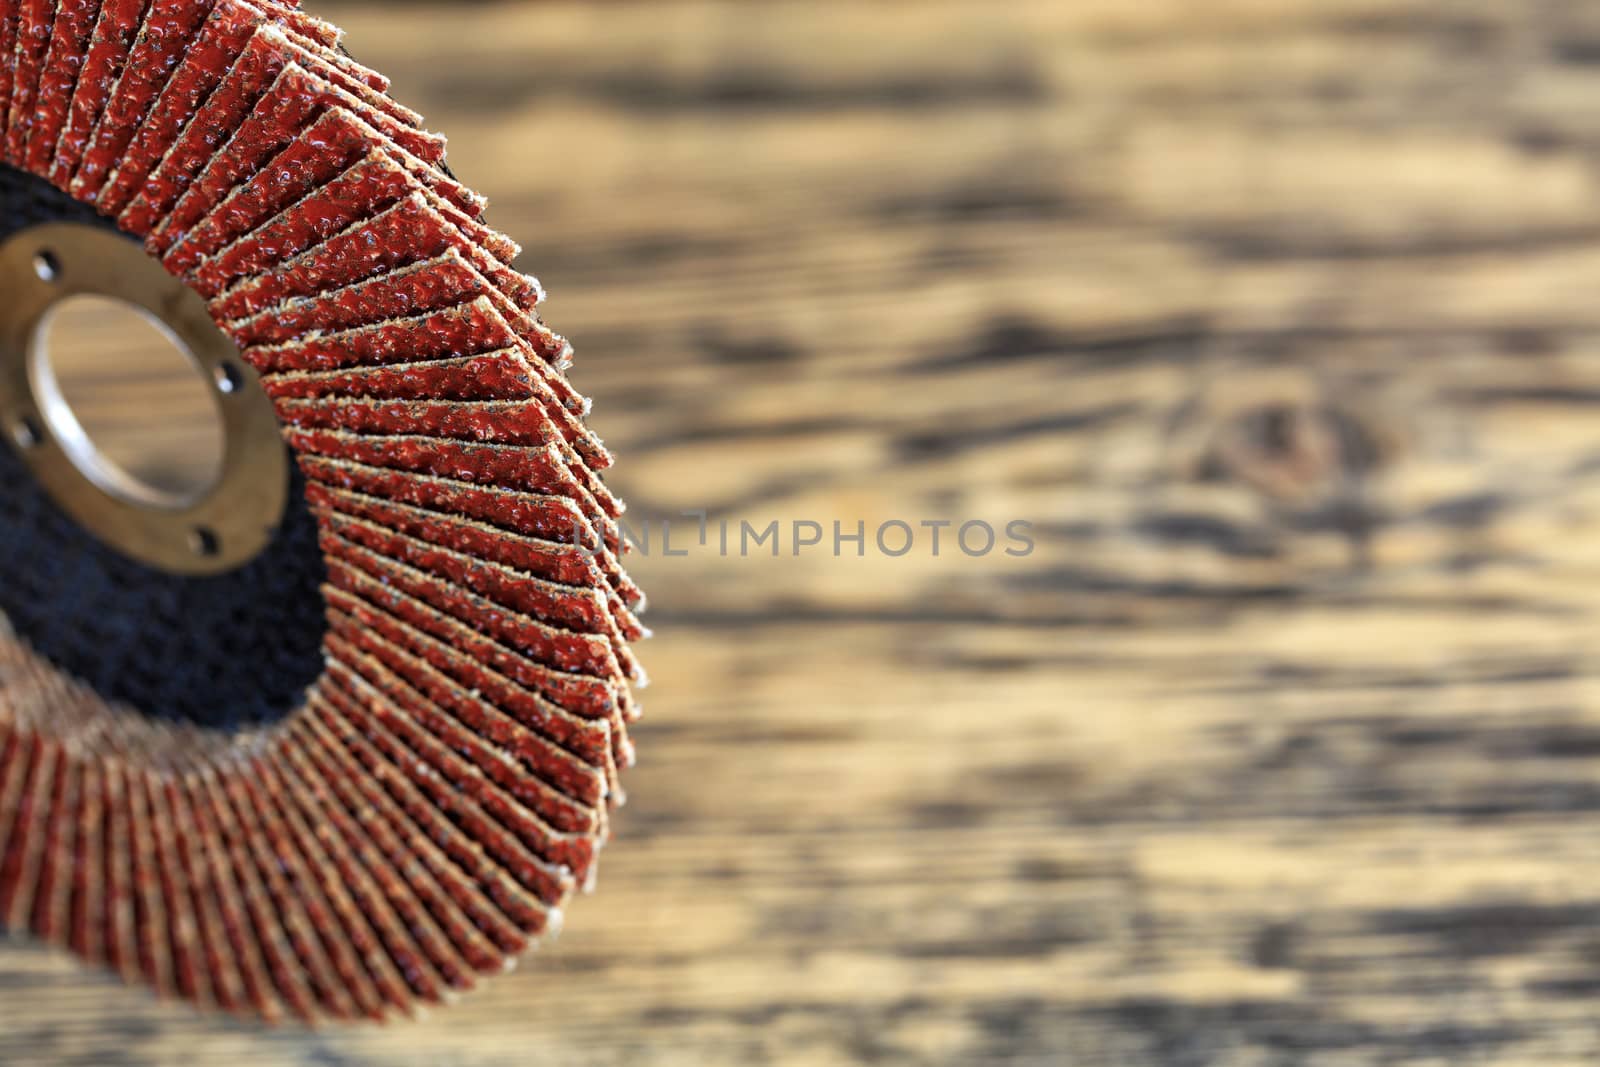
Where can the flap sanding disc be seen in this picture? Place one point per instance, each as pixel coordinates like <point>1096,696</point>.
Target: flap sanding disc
<point>341,737</point>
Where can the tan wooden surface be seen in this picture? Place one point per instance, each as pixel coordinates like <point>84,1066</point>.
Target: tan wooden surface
<point>1277,317</point>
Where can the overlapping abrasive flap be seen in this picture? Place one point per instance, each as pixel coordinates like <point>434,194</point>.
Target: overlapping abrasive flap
<point>425,816</point>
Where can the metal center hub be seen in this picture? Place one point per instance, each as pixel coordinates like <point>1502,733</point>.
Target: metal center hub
<point>209,533</point>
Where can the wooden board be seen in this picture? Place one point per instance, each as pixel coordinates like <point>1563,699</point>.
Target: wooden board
<point>1275,317</point>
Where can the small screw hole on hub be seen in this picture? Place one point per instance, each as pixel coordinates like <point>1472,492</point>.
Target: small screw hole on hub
<point>26,433</point>
<point>203,540</point>
<point>229,379</point>
<point>46,266</point>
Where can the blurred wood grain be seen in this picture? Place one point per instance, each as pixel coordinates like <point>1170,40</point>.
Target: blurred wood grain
<point>1276,317</point>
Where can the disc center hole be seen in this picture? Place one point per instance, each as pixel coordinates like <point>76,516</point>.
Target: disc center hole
<point>127,402</point>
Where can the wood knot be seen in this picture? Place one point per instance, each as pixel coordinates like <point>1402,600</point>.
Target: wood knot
<point>1292,437</point>
<point>1291,452</point>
